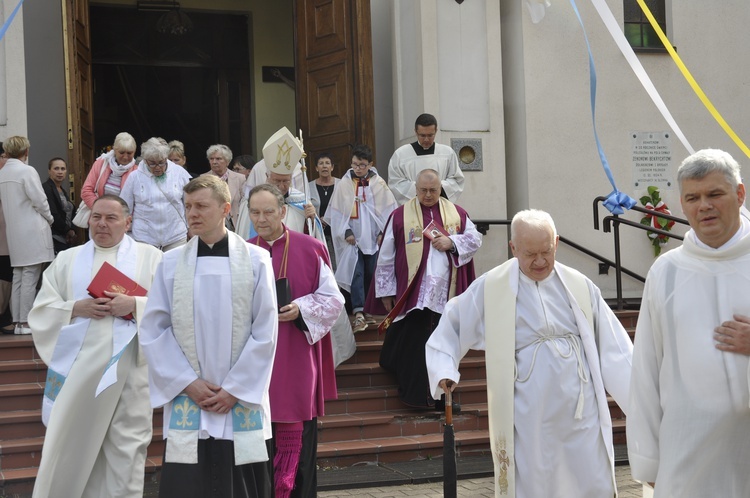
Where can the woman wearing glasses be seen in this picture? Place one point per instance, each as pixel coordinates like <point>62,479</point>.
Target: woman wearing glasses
<point>109,172</point>
<point>154,195</point>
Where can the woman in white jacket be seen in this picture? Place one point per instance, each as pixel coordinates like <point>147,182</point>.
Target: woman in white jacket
<point>154,194</point>
<point>27,226</point>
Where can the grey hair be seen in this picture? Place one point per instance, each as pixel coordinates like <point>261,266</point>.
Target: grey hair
<point>707,161</point>
<point>153,149</point>
<point>535,218</point>
<point>271,189</point>
<point>124,141</point>
<point>222,149</point>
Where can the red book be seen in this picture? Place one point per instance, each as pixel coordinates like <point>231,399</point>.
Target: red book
<point>432,229</point>
<point>110,279</point>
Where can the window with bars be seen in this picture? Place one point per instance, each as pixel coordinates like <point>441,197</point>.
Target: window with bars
<point>638,30</point>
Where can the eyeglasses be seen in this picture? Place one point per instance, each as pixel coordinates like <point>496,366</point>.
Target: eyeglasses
<point>360,165</point>
<point>156,165</point>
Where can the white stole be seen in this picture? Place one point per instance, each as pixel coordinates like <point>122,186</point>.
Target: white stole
<point>500,294</point>
<point>71,337</point>
<point>184,423</point>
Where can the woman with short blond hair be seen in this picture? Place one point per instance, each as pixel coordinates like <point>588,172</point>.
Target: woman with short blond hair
<point>27,227</point>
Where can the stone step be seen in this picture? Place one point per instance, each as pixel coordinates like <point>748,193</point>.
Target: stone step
<point>21,424</point>
<point>26,396</point>
<point>376,399</point>
<point>20,482</point>
<point>26,452</point>
<point>17,347</point>
<point>22,371</point>
<point>394,423</point>
<point>399,449</point>
<point>372,375</point>
<point>369,352</point>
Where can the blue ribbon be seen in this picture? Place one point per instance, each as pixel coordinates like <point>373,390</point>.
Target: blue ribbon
<point>10,20</point>
<point>617,200</point>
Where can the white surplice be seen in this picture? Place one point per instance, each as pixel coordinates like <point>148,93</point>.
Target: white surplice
<point>249,377</point>
<point>373,204</point>
<point>689,421</point>
<point>555,453</point>
<point>405,165</point>
<point>433,290</point>
<point>108,434</point>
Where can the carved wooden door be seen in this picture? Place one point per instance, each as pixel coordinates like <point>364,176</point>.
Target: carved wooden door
<point>77,48</point>
<point>334,78</point>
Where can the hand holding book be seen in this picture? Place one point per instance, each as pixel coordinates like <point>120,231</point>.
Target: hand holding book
<point>110,282</point>
<point>439,236</point>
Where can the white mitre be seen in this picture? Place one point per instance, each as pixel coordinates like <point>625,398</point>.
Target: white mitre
<point>282,152</point>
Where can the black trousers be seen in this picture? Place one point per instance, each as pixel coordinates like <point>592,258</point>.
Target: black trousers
<point>216,476</point>
<point>403,354</point>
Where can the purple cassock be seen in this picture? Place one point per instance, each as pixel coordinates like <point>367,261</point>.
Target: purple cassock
<point>303,374</point>
<point>464,274</point>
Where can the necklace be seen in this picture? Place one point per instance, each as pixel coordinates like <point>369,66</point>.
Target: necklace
<point>326,189</point>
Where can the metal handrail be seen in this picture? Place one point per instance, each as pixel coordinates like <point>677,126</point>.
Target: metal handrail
<point>639,209</point>
<point>616,221</point>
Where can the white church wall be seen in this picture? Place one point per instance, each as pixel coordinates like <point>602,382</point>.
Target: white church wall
<point>456,76</point>
<point>381,14</point>
<point>565,173</point>
<point>12,75</point>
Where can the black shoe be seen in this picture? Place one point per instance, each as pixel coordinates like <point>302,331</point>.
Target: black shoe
<point>440,406</point>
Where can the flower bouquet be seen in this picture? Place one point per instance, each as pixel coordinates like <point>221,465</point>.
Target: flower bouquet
<point>653,202</point>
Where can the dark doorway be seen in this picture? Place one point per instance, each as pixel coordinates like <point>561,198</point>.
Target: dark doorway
<point>193,87</point>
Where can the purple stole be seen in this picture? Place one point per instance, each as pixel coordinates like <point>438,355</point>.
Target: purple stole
<point>464,274</point>
<point>303,375</point>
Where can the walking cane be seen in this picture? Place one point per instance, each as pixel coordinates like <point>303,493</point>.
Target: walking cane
<point>449,450</point>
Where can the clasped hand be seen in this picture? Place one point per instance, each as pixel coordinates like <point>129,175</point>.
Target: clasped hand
<point>97,308</point>
<point>210,397</point>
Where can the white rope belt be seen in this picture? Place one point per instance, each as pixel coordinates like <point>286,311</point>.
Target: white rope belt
<point>575,344</point>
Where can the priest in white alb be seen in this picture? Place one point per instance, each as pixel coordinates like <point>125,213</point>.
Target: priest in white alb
<point>689,421</point>
<point>210,340</point>
<point>95,403</point>
<point>425,153</point>
<point>553,347</point>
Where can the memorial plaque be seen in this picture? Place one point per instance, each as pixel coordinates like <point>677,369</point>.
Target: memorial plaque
<point>652,160</point>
